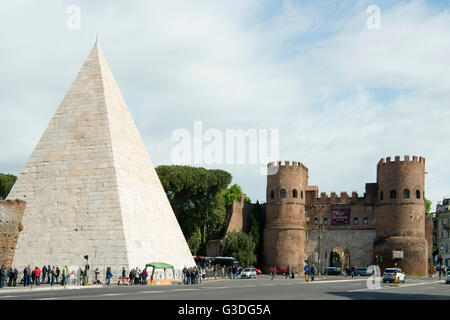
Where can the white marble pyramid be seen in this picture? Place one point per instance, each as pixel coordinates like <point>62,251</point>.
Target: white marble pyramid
<point>91,188</point>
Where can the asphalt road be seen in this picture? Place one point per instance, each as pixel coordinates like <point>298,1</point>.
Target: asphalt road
<point>331,288</point>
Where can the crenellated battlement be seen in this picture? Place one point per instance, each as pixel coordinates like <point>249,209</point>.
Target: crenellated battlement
<point>287,164</point>
<point>333,198</point>
<point>406,159</point>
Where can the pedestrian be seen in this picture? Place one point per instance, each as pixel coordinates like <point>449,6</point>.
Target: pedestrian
<point>64,276</point>
<point>25,277</point>
<point>16,275</point>
<point>48,273</point>
<point>124,275</point>
<point>287,272</point>
<point>109,275</point>
<point>44,273</point>
<point>96,273</point>
<point>293,272</point>
<point>313,272</point>
<point>53,272</point>
<point>184,274</point>
<point>131,277</point>
<point>273,272</point>
<point>145,276</point>
<point>306,269</point>
<point>10,276</point>
<point>2,276</point>
<point>58,272</point>
<point>440,272</point>
<point>37,276</point>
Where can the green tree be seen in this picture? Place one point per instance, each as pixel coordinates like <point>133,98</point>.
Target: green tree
<point>233,193</point>
<point>255,229</point>
<point>195,241</point>
<point>193,194</point>
<point>6,183</point>
<point>428,207</point>
<point>241,246</point>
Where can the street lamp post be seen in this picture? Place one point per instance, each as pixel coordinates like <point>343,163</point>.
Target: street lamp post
<point>318,260</point>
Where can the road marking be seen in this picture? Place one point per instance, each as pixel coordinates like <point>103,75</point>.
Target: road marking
<point>332,281</point>
<point>9,296</point>
<point>398,286</point>
<point>144,292</point>
<point>184,289</point>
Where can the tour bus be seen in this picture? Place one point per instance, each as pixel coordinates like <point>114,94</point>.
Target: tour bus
<point>201,261</point>
<point>226,261</point>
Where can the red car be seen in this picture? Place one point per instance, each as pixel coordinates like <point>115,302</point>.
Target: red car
<point>257,270</point>
<point>279,270</point>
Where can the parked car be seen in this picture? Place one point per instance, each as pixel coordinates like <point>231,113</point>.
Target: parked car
<point>279,270</point>
<point>364,271</point>
<point>248,273</point>
<point>334,271</point>
<point>256,269</point>
<point>389,274</point>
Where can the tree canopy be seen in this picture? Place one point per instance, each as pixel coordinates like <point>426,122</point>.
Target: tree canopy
<point>427,207</point>
<point>241,246</point>
<point>6,183</point>
<point>195,196</point>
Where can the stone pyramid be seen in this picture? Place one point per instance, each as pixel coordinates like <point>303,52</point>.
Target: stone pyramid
<point>91,188</point>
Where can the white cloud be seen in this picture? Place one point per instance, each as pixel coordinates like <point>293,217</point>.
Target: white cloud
<point>311,69</point>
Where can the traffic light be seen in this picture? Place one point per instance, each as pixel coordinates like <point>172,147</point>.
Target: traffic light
<point>378,259</point>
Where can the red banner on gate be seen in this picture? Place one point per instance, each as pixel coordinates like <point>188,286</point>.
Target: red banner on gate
<point>341,216</point>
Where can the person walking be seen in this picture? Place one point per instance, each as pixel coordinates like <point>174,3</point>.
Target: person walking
<point>131,277</point>
<point>273,272</point>
<point>313,272</point>
<point>293,272</point>
<point>124,275</point>
<point>287,272</point>
<point>109,275</point>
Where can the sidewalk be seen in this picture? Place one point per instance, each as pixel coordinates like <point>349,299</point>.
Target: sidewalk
<point>46,287</point>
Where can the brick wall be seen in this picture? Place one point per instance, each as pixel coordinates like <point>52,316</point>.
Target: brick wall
<point>11,213</point>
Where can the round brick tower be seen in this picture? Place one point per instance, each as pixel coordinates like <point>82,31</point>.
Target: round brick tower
<point>400,214</point>
<point>284,232</point>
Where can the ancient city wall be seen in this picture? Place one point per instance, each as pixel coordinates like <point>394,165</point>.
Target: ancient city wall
<point>11,213</point>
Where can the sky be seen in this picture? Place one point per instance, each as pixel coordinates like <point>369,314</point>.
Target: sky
<point>342,93</point>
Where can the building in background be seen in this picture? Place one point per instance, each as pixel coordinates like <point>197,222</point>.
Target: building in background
<point>443,230</point>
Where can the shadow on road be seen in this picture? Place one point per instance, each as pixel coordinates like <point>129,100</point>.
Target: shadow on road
<point>382,295</point>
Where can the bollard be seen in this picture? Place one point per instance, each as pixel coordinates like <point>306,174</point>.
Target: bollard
<point>306,277</point>
<point>396,279</point>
